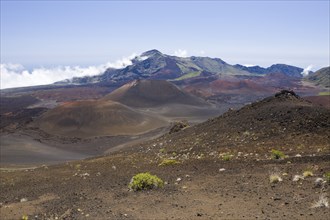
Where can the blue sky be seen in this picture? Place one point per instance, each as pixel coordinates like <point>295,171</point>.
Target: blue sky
<point>53,33</point>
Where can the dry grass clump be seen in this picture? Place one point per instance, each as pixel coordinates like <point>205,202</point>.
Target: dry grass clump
<point>327,177</point>
<point>275,178</point>
<point>322,202</point>
<point>167,162</point>
<point>296,178</point>
<point>308,173</point>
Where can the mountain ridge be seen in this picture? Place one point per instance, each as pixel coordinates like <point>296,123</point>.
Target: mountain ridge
<point>153,64</point>
<point>320,77</point>
<point>275,68</point>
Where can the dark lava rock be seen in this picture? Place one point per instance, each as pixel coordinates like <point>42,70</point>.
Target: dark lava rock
<point>178,126</point>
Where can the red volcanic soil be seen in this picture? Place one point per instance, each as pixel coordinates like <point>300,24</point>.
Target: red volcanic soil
<point>14,113</point>
<point>323,100</point>
<point>9,122</point>
<point>241,86</point>
<point>152,93</point>
<point>247,85</point>
<point>73,94</point>
<point>197,92</point>
<point>96,118</point>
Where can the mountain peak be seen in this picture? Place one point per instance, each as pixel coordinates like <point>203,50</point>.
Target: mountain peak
<point>152,52</point>
<point>287,94</point>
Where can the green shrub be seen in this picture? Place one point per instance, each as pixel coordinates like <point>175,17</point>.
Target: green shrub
<point>276,154</point>
<point>25,217</point>
<point>166,162</point>
<point>227,157</point>
<point>327,177</point>
<point>145,181</point>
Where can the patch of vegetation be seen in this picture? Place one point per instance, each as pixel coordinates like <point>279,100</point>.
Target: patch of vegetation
<point>200,156</point>
<point>77,166</point>
<point>246,133</point>
<point>324,93</point>
<point>227,157</point>
<point>308,173</point>
<point>189,75</point>
<point>276,154</point>
<point>145,181</point>
<point>162,150</point>
<point>188,67</point>
<point>327,177</point>
<point>25,217</point>
<point>275,178</point>
<point>167,162</point>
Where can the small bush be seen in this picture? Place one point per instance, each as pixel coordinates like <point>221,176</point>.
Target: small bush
<point>25,217</point>
<point>275,178</point>
<point>162,150</point>
<point>276,154</point>
<point>77,166</point>
<point>327,177</point>
<point>167,162</point>
<point>308,173</point>
<point>145,181</point>
<point>227,157</point>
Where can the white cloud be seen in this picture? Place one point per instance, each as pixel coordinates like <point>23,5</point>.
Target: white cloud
<point>181,53</point>
<point>202,52</point>
<point>249,65</point>
<point>123,62</point>
<point>141,58</point>
<point>15,75</point>
<point>306,70</point>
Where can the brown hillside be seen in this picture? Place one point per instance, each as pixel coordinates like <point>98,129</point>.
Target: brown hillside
<point>323,100</point>
<point>284,121</point>
<point>222,170</point>
<point>151,93</point>
<point>96,118</point>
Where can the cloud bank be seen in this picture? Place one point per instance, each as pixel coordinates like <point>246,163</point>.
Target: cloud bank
<point>307,70</point>
<point>180,53</point>
<point>15,75</point>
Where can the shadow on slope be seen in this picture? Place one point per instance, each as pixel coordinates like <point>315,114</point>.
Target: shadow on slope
<point>86,119</point>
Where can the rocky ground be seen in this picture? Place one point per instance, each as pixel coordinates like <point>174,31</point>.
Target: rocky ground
<point>208,188</point>
<point>224,169</point>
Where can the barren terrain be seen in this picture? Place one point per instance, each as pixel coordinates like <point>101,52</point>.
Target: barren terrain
<point>224,171</point>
